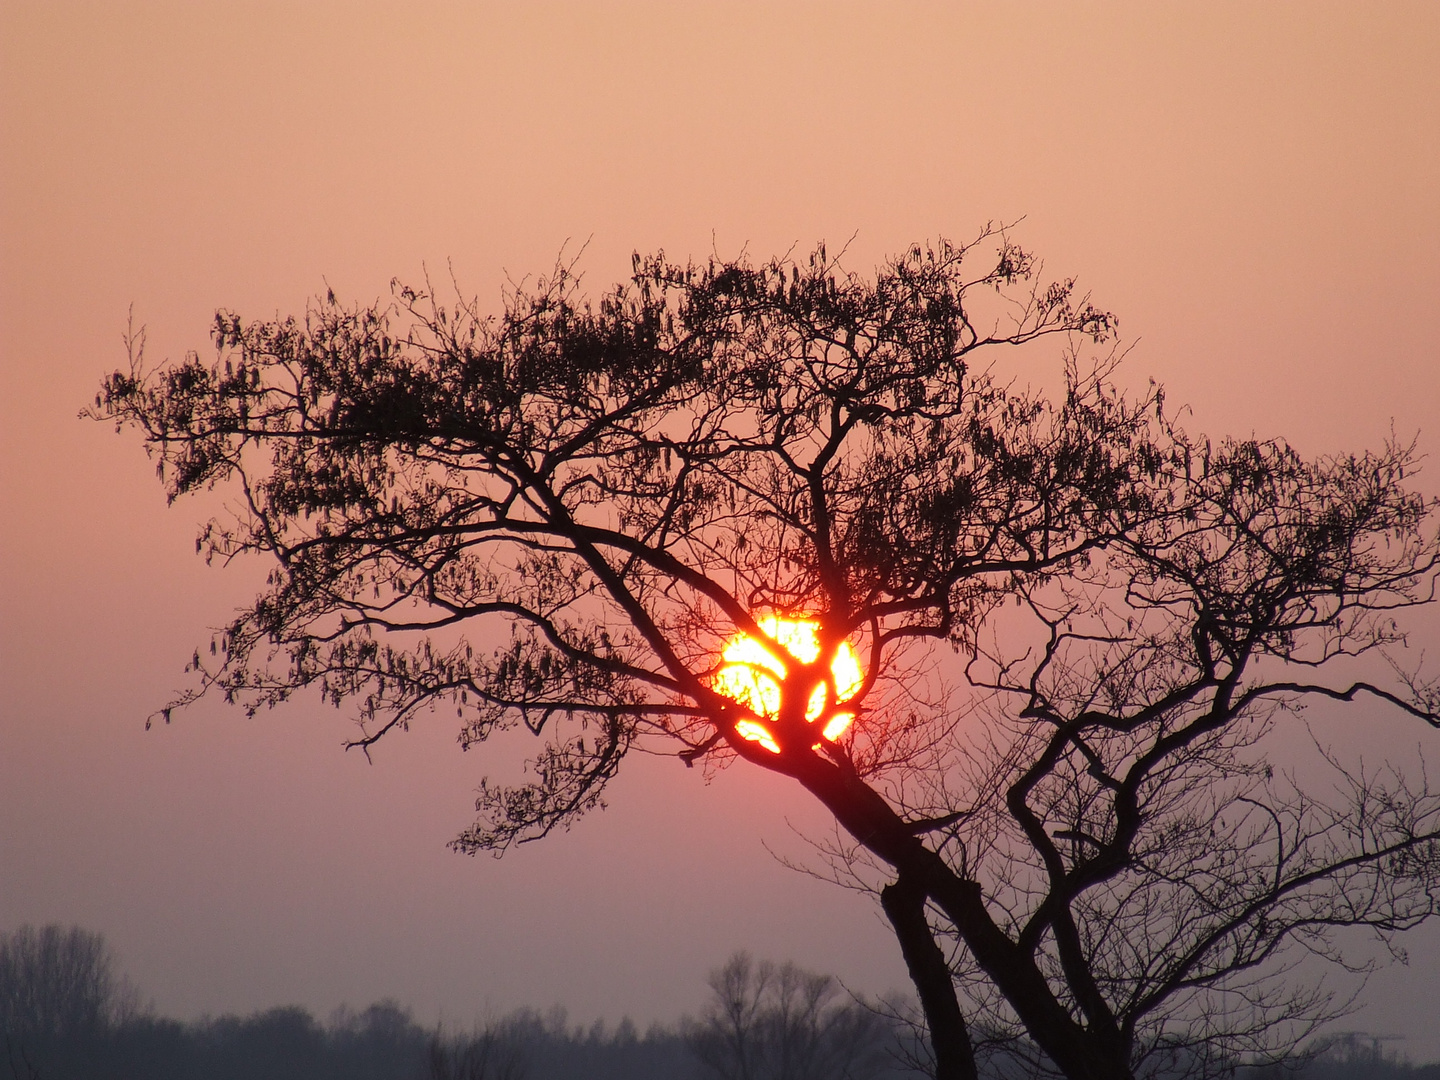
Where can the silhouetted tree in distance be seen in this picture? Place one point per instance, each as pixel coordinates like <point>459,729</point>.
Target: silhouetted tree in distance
<point>487,1053</point>
<point>58,982</point>
<point>1070,623</point>
<point>767,1021</point>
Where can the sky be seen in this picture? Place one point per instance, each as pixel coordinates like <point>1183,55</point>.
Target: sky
<point>1253,189</point>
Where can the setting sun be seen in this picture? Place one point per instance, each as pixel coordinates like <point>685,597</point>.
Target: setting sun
<point>753,675</point>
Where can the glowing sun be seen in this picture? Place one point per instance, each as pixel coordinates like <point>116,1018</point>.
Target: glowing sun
<point>753,675</point>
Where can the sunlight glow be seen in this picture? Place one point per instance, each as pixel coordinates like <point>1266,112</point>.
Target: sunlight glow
<point>749,729</point>
<point>753,674</point>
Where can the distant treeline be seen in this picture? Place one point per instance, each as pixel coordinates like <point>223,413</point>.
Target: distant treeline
<point>1351,1057</point>
<point>64,1015</point>
<point>382,1042</point>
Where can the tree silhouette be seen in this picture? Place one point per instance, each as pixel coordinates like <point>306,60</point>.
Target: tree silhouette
<point>659,519</point>
<point>58,982</point>
<point>767,1021</point>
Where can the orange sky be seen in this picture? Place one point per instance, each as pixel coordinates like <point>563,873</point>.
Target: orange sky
<point>1254,189</point>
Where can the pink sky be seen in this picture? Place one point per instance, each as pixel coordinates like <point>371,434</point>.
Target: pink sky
<point>1254,189</point>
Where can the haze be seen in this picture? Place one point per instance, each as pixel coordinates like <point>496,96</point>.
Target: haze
<point>1252,188</point>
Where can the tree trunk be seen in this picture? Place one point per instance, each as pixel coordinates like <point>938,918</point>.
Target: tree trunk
<point>866,815</point>
<point>949,1037</point>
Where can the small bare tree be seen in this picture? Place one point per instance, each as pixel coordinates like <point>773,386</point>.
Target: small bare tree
<point>768,1021</point>
<point>1025,650</point>
<point>487,1053</point>
<point>58,982</point>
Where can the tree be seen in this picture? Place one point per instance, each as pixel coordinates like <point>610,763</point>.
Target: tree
<point>488,1053</point>
<point>59,983</point>
<point>1024,650</point>
<point>767,1021</point>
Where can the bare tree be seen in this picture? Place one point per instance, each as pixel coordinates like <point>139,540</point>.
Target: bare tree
<point>767,1021</point>
<point>487,1053</point>
<point>1135,833</point>
<point>58,982</point>
<point>1025,650</point>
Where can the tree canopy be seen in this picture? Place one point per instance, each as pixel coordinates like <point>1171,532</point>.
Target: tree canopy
<point>1072,623</point>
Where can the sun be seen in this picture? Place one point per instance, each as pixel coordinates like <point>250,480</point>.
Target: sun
<point>753,674</point>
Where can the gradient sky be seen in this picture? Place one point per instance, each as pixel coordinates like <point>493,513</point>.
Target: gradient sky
<point>1253,189</point>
